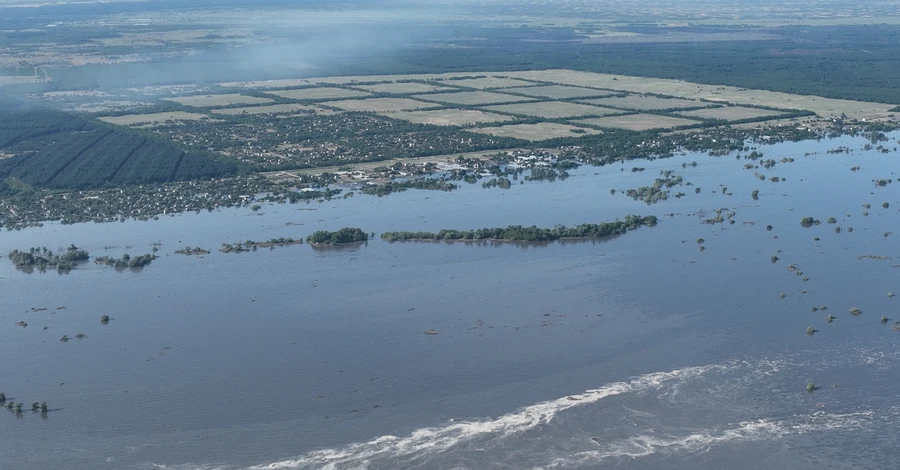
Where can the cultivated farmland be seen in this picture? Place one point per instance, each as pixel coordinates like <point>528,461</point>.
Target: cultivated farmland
<point>487,82</point>
<point>320,93</point>
<point>216,101</point>
<point>645,103</point>
<point>822,106</point>
<point>402,88</point>
<point>552,109</point>
<point>271,109</point>
<point>536,132</point>
<point>473,98</point>
<point>638,122</point>
<point>379,105</point>
<point>561,92</point>
<point>153,118</point>
<point>448,117</point>
<point>730,113</point>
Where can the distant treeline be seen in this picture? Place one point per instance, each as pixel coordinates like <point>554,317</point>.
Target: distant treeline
<point>58,150</point>
<point>836,61</point>
<point>530,234</point>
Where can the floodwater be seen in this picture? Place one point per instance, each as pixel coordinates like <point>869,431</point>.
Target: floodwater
<point>637,352</point>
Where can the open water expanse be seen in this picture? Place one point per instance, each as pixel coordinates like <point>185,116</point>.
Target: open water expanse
<point>638,352</point>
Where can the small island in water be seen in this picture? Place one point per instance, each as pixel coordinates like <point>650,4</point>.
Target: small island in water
<point>126,261</point>
<point>195,251</point>
<point>518,233</point>
<point>252,245</point>
<point>42,258</point>
<point>342,236</point>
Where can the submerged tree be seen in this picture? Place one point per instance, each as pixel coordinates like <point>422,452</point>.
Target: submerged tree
<point>811,387</point>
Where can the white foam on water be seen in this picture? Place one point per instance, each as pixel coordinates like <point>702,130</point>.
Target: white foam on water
<point>432,440</point>
<point>645,445</point>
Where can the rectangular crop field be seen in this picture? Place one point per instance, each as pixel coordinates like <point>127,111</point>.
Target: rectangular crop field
<point>379,105</point>
<point>562,92</point>
<point>536,132</point>
<point>318,93</point>
<point>645,103</point>
<point>274,109</point>
<point>448,117</point>
<point>552,109</point>
<point>638,122</point>
<point>819,105</point>
<point>487,82</point>
<point>730,113</point>
<point>473,98</point>
<point>213,101</point>
<point>402,88</point>
<point>154,118</point>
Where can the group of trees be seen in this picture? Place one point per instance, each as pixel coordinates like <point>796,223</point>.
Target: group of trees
<point>344,235</point>
<point>126,261</point>
<point>17,407</point>
<point>389,187</point>
<point>42,258</point>
<point>251,245</point>
<point>531,234</point>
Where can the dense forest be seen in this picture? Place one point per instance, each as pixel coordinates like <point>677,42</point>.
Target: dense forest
<point>57,150</point>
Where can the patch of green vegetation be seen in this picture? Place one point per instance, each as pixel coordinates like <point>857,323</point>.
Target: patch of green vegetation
<point>658,191</point>
<point>344,235</point>
<point>196,251</point>
<point>42,258</point>
<point>529,234</point>
<point>384,189</point>
<point>251,245</point>
<point>126,261</point>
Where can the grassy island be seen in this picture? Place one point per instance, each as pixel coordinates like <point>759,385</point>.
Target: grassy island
<point>519,233</point>
<point>126,261</point>
<point>251,245</point>
<point>344,235</point>
<point>42,258</point>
